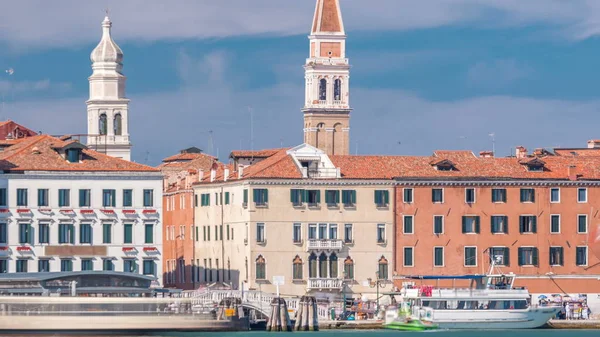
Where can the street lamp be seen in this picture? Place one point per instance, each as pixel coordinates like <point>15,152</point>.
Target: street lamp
<point>376,284</point>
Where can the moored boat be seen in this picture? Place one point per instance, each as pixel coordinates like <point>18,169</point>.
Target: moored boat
<point>491,302</point>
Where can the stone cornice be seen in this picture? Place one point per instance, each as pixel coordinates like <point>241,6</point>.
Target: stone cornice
<point>490,183</point>
<point>402,183</point>
<point>72,175</point>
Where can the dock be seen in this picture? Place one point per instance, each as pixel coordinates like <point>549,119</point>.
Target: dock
<point>575,324</point>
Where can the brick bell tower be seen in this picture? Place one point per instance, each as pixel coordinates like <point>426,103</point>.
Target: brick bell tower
<point>327,74</point>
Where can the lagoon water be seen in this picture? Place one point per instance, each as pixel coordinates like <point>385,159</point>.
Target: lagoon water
<point>388,333</point>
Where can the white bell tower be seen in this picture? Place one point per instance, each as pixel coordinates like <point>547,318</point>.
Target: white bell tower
<point>108,108</point>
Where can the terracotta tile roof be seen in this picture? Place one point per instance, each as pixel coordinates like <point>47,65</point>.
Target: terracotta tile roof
<point>38,153</point>
<point>387,167</point>
<point>256,153</point>
<point>466,166</point>
<point>584,152</point>
<point>15,130</point>
<point>327,17</point>
<point>186,157</point>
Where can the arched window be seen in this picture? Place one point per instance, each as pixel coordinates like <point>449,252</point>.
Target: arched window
<point>322,89</point>
<point>349,268</point>
<point>333,266</point>
<point>312,266</point>
<point>297,268</point>
<point>117,125</point>
<point>261,268</point>
<point>323,265</point>
<point>337,90</point>
<point>382,271</point>
<point>102,125</point>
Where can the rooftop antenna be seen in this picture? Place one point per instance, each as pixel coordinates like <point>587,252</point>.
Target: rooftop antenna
<point>251,110</point>
<point>493,137</point>
<point>147,153</point>
<point>210,142</point>
<point>9,72</point>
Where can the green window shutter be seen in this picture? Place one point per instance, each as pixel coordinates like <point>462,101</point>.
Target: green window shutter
<point>337,197</point>
<point>226,198</point>
<point>304,195</point>
<point>376,197</point>
<point>386,195</point>
<point>266,195</point>
<point>293,196</point>
<point>464,224</point>
<point>522,195</point>
<point>535,256</point>
<point>327,197</point>
<point>477,226</point>
<point>255,195</point>
<point>318,197</point>
<point>245,196</point>
<point>505,225</point>
<point>520,256</point>
<point>534,224</point>
<point>72,236</point>
<point>353,196</point>
<point>345,197</point>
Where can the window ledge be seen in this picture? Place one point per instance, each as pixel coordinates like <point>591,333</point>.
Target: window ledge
<point>261,205</point>
<point>299,281</point>
<point>382,243</point>
<point>314,206</point>
<point>261,243</point>
<point>299,206</point>
<point>262,281</point>
<point>333,206</point>
<point>383,207</point>
<point>298,243</point>
<point>349,243</point>
<point>350,206</point>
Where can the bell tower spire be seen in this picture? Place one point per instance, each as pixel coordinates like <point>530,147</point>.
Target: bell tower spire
<point>327,74</point>
<point>108,108</point>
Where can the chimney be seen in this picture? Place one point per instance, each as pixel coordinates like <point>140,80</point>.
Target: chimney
<point>593,144</point>
<point>572,172</point>
<point>200,175</point>
<point>240,171</point>
<point>213,175</point>
<point>486,154</point>
<point>538,152</point>
<point>521,152</point>
<point>225,174</point>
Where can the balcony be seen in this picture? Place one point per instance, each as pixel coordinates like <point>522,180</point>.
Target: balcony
<point>333,61</point>
<point>321,172</point>
<point>324,245</point>
<point>325,284</point>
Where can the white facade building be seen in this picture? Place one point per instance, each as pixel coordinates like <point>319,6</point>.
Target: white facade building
<point>108,108</point>
<point>64,207</point>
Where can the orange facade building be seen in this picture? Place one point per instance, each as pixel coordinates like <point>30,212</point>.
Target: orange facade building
<point>180,171</point>
<point>533,214</point>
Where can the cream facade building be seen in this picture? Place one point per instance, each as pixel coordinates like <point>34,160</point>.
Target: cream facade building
<point>294,216</point>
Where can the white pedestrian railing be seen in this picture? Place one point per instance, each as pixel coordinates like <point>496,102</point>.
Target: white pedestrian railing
<point>325,283</point>
<point>324,245</point>
<point>210,298</point>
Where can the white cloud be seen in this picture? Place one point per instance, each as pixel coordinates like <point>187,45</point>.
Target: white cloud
<point>49,24</point>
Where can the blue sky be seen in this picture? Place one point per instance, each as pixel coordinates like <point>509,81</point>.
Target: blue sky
<point>427,75</point>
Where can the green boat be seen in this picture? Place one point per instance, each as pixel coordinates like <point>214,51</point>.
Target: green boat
<point>410,324</point>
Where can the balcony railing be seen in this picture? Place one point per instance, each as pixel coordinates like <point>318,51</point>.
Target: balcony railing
<point>321,172</point>
<point>324,245</point>
<point>325,283</point>
<point>328,61</point>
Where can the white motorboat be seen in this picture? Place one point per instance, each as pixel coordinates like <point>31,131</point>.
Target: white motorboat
<point>491,302</point>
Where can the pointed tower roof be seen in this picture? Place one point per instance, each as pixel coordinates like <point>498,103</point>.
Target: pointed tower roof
<point>107,50</point>
<point>328,17</point>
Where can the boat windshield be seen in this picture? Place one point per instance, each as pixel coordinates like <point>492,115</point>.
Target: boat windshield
<point>472,305</point>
